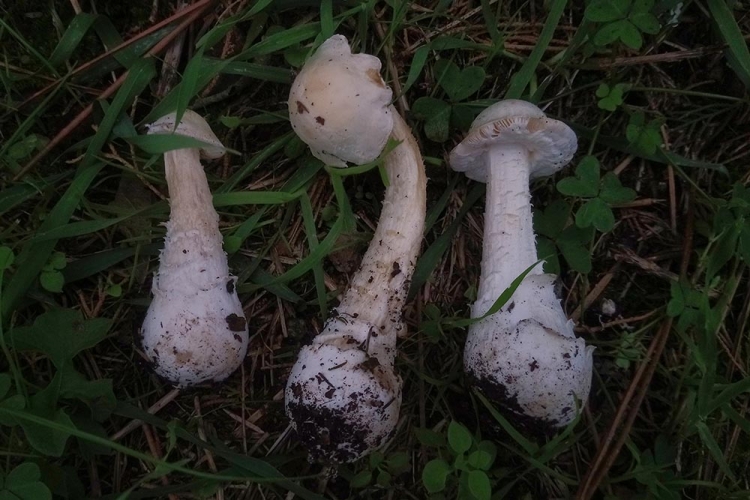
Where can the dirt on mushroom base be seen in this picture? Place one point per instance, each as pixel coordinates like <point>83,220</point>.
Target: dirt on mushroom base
<point>329,434</point>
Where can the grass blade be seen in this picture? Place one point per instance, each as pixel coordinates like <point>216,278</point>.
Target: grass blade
<point>738,54</point>
<point>520,80</point>
<point>34,255</point>
<point>72,37</point>
<point>308,218</point>
<point>431,257</point>
<point>255,198</point>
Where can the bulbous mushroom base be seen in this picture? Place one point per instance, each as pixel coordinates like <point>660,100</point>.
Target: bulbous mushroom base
<point>528,360</point>
<point>196,337</point>
<point>342,401</point>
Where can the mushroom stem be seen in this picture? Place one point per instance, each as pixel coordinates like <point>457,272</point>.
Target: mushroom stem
<point>191,204</point>
<point>378,290</point>
<point>343,394</point>
<point>509,241</point>
<point>190,198</point>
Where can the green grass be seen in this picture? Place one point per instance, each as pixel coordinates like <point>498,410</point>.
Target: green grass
<point>671,364</point>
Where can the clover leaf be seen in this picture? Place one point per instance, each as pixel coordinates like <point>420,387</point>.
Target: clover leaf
<point>623,20</point>
<point>643,136</point>
<point>610,98</point>
<point>585,184</point>
<point>556,233</point>
<point>51,278</point>
<point>440,115</point>
<point>459,84</point>
<point>23,483</point>
<point>599,193</point>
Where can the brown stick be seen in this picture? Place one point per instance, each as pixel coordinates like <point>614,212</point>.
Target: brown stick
<point>86,112</point>
<point>636,392</point>
<point>634,396</point>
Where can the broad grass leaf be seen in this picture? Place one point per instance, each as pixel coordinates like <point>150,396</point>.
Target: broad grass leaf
<point>713,447</point>
<point>74,34</point>
<point>417,65</point>
<point>722,250</point>
<point>744,242</point>
<point>281,40</point>
<point>6,259</point>
<point>5,381</point>
<point>35,255</point>
<point>521,79</point>
<point>738,54</point>
<point>258,72</point>
<point>13,196</point>
<point>528,446</point>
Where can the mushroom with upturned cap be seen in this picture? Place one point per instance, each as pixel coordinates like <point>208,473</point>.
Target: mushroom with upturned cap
<point>526,356</point>
<point>343,395</point>
<point>195,330</point>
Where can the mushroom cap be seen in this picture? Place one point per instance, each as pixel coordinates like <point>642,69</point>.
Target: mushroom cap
<point>191,125</point>
<point>339,105</point>
<point>551,143</point>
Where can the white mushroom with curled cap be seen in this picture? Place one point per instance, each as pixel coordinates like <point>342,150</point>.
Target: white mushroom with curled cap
<point>526,356</point>
<point>343,395</point>
<point>195,330</point>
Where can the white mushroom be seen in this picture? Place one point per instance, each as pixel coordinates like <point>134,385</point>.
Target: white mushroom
<point>525,357</point>
<point>195,329</point>
<point>343,395</point>
<point>341,92</point>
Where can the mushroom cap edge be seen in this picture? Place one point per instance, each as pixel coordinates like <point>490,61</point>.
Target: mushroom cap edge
<point>191,125</point>
<point>551,143</point>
